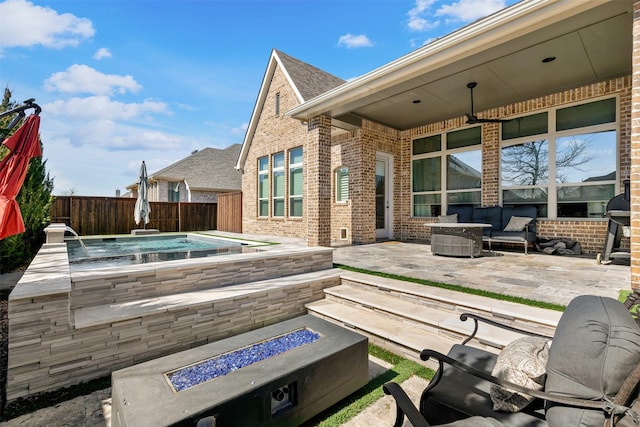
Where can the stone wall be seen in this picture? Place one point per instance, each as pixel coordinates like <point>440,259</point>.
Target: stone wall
<point>63,332</point>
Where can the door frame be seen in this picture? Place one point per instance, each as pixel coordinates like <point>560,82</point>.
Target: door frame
<point>387,232</point>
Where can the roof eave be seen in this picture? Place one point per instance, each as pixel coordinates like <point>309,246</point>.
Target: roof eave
<point>504,25</point>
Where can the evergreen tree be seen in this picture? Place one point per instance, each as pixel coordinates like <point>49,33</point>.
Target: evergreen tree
<point>35,201</point>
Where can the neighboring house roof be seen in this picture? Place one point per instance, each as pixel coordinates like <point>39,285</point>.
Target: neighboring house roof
<point>591,41</point>
<point>306,81</point>
<point>209,169</point>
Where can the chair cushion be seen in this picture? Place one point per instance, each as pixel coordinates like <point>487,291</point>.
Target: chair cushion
<point>595,347</point>
<point>465,213</point>
<point>459,395</point>
<point>517,223</point>
<point>528,211</point>
<point>521,362</point>
<point>452,218</point>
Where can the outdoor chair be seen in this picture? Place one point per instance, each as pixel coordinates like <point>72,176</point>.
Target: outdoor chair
<point>586,375</point>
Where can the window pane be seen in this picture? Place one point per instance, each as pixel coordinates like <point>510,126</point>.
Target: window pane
<point>527,196</point>
<point>535,124</point>
<point>263,207</point>
<point>464,138</point>
<point>342,184</point>
<point>525,164</point>
<point>295,182</point>
<point>586,158</point>
<point>427,144</point>
<point>295,206</point>
<point>278,207</point>
<point>464,170</point>
<point>295,156</point>
<point>278,160</point>
<point>472,198</point>
<point>426,205</point>
<point>594,113</point>
<point>263,164</point>
<point>427,174</point>
<point>263,186</point>
<point>278,184</point>
<point>584,201</point>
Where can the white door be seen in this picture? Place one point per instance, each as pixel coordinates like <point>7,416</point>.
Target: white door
<point>384,199</point>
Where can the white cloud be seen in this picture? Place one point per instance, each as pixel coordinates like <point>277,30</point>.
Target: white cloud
<point>416,20</point>
<point>351,41</point>
<point>83,109</point>
<point>102,53</point>
<point>84,79</point>
<point>25,24</point>
<point>470,10</point>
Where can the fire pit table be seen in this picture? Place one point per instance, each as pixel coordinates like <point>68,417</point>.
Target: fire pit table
<point>456,238</point>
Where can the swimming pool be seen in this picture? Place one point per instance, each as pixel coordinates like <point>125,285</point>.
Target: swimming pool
<point>98,252</point>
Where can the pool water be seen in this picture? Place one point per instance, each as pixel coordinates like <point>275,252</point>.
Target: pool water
<point>120,251</point>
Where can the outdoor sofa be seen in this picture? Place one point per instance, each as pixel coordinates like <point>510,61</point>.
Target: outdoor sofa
<point>508,224</point>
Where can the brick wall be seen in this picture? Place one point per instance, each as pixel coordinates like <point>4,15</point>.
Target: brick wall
<point>590,233</point>
<point>635,152</point>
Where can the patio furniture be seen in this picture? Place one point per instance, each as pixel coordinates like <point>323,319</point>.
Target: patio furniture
<point>508,224</point>
<point>457,239</point>
<point>592,374</point>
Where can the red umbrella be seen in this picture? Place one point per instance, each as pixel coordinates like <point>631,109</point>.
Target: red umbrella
<point>24,145</point>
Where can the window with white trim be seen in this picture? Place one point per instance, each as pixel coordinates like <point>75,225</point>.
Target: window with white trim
<point>263,186</point>
<point>446,170</point>
<point>564,161</point>
<point>342,184</point>
<point>295,182</point>
<point>277,172</point>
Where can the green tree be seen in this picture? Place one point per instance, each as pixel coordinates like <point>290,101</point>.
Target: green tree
<point>35,201</point>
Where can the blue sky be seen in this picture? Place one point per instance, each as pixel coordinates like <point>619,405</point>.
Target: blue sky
<point>121,81</point>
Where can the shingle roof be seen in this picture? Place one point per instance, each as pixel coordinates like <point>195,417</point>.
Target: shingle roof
<point>207,169</point>
<point>309,80</point>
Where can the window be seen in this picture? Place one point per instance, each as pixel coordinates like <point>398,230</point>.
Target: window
<point>295,182</point>
<point>173,191</point>
<point>446,170</point>
<point>342,184</point>
<point>563,161</point>
<point>263,186</point>
<point>278,184</point>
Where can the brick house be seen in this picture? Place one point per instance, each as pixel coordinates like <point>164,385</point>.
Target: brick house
<point>199,177</point>
<point>381,154</point>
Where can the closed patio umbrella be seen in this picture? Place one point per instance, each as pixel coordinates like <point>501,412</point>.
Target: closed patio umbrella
<point>142,208</point>
<point>23,146</point>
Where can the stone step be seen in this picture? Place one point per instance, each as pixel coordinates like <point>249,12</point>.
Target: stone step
<point>122,311</point>
<point>521,316</point>
<point>431,319</point>
<point>402,338</point>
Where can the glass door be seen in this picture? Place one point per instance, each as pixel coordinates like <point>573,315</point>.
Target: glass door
<point>383,196</point>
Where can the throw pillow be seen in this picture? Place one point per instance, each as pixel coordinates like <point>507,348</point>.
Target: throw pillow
<point>453,218</point>
<point>521,362</point>
<point>517,223</point>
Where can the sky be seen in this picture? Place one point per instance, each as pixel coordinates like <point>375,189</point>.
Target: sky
<point>122,81</point>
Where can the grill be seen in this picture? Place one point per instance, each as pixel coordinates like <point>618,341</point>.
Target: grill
<point>619,214</point>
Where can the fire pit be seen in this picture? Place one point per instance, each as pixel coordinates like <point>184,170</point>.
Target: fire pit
<point>313,364</point>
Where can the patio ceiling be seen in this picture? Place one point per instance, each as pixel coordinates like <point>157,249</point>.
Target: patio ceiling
<point>591,42</point>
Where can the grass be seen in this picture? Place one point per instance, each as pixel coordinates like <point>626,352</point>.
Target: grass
<point>348,408</point>
<point>337,415</point>
<point>458,288</point>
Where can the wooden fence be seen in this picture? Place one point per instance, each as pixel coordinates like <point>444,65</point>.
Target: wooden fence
<point>114,215</point>
<point>230,212</point>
